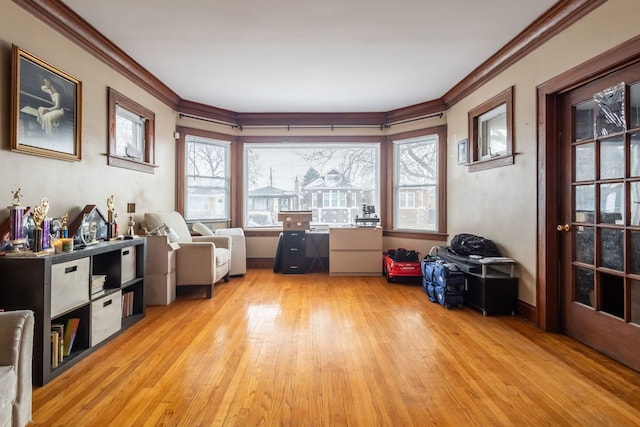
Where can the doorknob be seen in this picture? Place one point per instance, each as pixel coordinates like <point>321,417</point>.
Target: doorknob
<point>565,227</point>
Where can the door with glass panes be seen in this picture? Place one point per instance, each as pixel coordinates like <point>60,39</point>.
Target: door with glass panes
<point>599,192</point>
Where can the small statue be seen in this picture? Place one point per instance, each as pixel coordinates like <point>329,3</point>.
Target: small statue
<point>17,195</point>
<point>111,207</point>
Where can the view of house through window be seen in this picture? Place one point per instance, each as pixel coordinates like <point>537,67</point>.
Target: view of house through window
<point>331,180</point>
<point>416,184</point>
<point>207,180</point>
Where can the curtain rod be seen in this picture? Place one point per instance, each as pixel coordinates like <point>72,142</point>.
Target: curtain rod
<point>289,127</point>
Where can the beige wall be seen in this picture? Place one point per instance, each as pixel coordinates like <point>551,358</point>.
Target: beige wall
<point>70,186</point>
<point>498,203</point>
<point>501,203</point>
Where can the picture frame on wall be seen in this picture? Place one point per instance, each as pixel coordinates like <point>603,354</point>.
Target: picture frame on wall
<point>46,108</point>
<point>463,151</point>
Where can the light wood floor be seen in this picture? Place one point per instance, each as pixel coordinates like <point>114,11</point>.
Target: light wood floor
<point>314,350</point>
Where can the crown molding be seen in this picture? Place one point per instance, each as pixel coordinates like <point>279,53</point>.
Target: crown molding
<point>65,21</point>
<point>62,19</point>
<point>553,21</point>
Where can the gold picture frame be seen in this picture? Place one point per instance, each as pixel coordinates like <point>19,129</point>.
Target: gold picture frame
<point>46,109</point>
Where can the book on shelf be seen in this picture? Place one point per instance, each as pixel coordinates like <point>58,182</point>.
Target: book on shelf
<point>97,284</point>
<point>127,304</point>
<point>58,328</point>
<point>55,349</point>
<point>70,334</point>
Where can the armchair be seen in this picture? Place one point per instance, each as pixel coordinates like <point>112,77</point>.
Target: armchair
<point>16,353</point>
<point>201,260</point>
<point>238,265</point>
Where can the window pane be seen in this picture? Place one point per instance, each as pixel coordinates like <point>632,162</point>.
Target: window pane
<point>585,162</point>
<point>635,252</point>
<point>612,249</point>
<point>492,127</point>
<point>585,113</point>
<point>129,134</point>
<point>634,119</point>
<point>635,203</point>
<point>585,204</point>
<point>331,180</point>
<point>416,183</point>
<point>207,180</point>
<point>612,158</point>
<point>635,302</point>
<point>584,245</point>
<point>635,154</point>
<point>583,292</point>
<point>611,203</point>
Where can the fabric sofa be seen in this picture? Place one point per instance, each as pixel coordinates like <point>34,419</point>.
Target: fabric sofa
<point>201,260</point>
<point>16,354</point>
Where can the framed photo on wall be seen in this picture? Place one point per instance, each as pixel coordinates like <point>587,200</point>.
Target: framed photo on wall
<point>46,108</point>
<point>463,151</point>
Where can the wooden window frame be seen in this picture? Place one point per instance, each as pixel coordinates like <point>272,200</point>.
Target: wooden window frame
<point>387,219</point>
<point>476,163</point>
<point>149,119</point>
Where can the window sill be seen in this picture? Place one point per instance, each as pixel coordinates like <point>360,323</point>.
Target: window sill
<point>423,235</point>
<point>495,162</point>
<point>124,162</point>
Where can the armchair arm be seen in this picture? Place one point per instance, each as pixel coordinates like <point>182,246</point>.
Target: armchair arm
<point>195,263</point>
<point>16,349</point>
<point>219,241</point>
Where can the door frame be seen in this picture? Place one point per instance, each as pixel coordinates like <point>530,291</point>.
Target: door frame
<point>548,290</point>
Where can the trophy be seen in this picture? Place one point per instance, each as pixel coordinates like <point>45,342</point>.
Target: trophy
<point>39,215</point>
<point>112,226</point>
<point>16,232</point>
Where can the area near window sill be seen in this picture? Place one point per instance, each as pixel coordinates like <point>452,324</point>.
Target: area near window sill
<point>123,162</point>
<point>494,162</point>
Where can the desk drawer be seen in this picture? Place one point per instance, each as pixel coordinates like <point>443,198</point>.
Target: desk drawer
<point>106,317</point>
<point>69,285</point>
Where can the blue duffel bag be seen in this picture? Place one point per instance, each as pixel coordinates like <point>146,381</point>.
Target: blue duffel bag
<point>448,299</point>
<point>448,276</point>
<point>443,282</point>
<point>430,290</point>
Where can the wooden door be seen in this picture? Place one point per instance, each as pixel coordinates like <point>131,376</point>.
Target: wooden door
<point>599,193</point>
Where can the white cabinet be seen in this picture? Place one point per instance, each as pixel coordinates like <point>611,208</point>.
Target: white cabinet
<point>355,251</point>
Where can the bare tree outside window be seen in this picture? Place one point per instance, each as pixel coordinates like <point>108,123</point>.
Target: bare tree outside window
<point>416,184</point>
<point>207,195</point>
<point>332,180</point>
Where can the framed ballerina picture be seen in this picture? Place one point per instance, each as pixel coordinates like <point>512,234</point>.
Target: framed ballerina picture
<point>45,108</point>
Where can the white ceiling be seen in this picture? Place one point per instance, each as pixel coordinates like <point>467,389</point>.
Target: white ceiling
<point>309,55</point>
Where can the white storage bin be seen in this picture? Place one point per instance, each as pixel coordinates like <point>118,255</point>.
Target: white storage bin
<point>128,264</point>
<point>106,317</point>
<point>69,285</point>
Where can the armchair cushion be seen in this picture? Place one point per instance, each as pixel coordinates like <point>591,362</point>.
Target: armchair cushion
<point>199,227</point>
<point>173,220</point>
